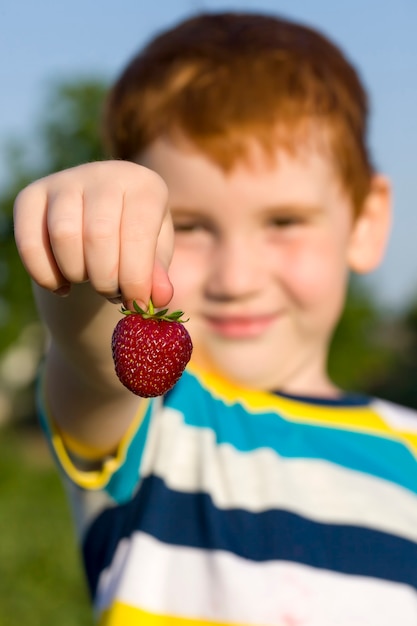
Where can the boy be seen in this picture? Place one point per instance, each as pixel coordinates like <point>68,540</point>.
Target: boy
<point>254,492</point>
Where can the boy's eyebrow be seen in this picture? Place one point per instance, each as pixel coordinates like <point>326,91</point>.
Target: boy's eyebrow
<point>284,206</point>
<point>188,211</point>
<point>299,209</point>
<point>289,209</point>
<point>293,207</point>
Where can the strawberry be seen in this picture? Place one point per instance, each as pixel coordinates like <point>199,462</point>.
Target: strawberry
<point>150,350</point>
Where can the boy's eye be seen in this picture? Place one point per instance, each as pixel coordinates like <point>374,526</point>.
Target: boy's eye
<point>285,221</point>
<point>190,222</point>
<point>188,227</point>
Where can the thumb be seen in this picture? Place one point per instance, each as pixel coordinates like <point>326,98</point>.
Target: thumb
<point>162,288</point>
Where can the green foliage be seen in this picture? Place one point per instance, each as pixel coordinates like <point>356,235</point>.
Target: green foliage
<point>398,382</point>
<point>41,580</point>
<point>357,354</point>
<point>16,303</point>
<point>68,134</point>
<point>71,129</point>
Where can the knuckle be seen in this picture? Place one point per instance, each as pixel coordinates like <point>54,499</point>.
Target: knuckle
<point>63,207</point>
<point>63,229</point>
<point>135,233</point>
<point>100,229</point>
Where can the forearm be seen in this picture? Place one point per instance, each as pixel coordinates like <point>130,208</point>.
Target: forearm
<point>83,392</point>
<point>80,328</point>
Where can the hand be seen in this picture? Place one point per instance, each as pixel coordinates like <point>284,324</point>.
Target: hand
<point>104,222</point>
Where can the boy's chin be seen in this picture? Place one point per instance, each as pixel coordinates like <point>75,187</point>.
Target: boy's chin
<point>240,370</point>
<point>262,366</point>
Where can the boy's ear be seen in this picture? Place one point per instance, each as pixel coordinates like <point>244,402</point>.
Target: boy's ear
<point>371,228</point>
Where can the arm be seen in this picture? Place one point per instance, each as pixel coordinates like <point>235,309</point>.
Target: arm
<point>97,230</point>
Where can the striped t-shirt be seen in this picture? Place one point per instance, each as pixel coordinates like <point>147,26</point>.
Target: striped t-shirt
<point>227,506</point>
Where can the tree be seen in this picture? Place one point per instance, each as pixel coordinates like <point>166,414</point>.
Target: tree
<point>71,129</point>
<point>68,134</point>
<point>358,353</point>
<point>398,382</point>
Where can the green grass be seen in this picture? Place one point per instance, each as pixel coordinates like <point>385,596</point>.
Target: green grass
<point>41,578</point>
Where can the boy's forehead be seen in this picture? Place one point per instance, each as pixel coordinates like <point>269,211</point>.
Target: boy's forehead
<point>179,152</point>
<point>304,174</point>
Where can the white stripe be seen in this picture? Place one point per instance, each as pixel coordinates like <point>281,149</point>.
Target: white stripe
<point>189,460</point>
<point>397,416</point>
<point>191,583</point>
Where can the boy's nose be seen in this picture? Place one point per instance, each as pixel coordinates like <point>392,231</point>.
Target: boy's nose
<point>234,270</point>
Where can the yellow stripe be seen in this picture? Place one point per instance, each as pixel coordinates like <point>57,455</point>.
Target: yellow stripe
<point>95,479</point>
<point>123,615</point>
<point>361,419</point>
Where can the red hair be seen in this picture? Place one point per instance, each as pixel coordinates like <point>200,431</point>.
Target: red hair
<point>223,80</point>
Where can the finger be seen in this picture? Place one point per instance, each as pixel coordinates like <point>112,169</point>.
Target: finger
<point>65,229</point>
<point>144,210</point>
<point>102,214</point>
<point>32,238</point>
<point>162,289</point>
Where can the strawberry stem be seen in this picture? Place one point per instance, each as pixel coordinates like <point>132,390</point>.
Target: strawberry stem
<point>137,309</point>
<point>150,313</point>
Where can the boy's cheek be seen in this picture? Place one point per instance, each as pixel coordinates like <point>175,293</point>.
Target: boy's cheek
<point>317,275</point>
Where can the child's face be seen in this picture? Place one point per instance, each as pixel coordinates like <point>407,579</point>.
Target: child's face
<point>260,263</point>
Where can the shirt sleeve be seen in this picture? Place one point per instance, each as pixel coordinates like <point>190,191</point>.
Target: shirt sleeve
<point>117,474</point>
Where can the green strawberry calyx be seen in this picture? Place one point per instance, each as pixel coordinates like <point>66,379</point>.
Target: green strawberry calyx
<point>150,313</point>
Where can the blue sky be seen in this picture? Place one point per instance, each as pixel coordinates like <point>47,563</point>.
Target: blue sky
<point>45,40</point>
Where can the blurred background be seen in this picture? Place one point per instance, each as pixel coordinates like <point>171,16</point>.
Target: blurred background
<point>57,61</point>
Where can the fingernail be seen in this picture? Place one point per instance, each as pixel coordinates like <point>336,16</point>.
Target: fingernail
<point>63,291</point>
<point>129,304</point>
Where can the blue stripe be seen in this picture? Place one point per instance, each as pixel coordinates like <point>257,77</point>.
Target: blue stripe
<point>125,480</point>
<point>192,520</point>
<point>233,424</point>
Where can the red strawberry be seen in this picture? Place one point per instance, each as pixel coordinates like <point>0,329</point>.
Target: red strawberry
<point>150,350</point>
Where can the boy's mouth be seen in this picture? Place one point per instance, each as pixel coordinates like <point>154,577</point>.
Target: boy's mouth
<point>240,327</point>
